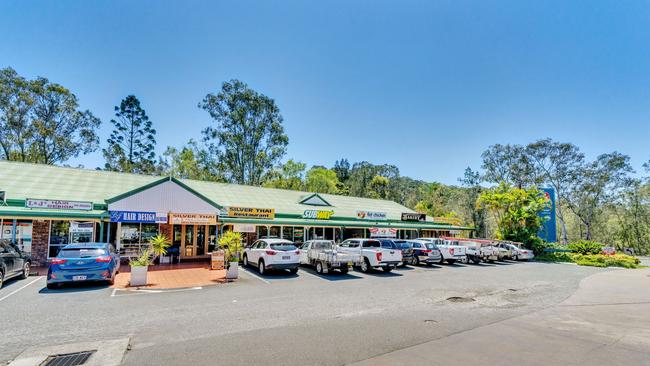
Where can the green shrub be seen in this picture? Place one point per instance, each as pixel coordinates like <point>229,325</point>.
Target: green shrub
<point>554,257</point>
<point>586,247</point>
<point>600,260</point>
<point>539,248</point>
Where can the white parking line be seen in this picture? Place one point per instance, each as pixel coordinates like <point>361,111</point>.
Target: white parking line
<point>307,272</point>
<point>116,291</point>
<point>16,291</point>
<point>254,275</point>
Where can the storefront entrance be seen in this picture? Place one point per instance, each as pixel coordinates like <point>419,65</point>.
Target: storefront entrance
<point>194,240</point>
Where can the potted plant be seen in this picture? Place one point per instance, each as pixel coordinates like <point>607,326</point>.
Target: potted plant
<point>232,243</point>
<point>157,246</point>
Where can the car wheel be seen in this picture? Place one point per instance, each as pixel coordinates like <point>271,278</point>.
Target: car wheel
<point>365,265</point>
<point>319,267</point>
<point>2,278</point>
<point>442,260</point>
<point>25,273</point>
<point>344,270</point>
<point>111,282</point>
<point>476,260</point>
<point>245,260</point>
<point>515,258</point>
<point>451,261</point>
<point>416,260</point>
<point>261,268</point>
<point>387,269</point>
<point>294,270</point>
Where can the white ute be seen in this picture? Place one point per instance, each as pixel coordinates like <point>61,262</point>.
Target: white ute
<point>325,256</point>
<point>372,254</point>
<point>450,253</point>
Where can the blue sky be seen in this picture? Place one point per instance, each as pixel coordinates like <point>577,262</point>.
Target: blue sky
<point>424,85</point>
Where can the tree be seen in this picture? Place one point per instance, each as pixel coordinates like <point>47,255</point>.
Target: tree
<point>509,164</point>
<point>516,211</point>
<point>342,169</point>
<point>321,180</point>
<point>557,164</point>
<point>248,138</point>
<point>287,176</point>
<point>16,130</point>
<point>61,130</point>
<point>596,184</point>
<point>131,144</point>
<point>471,180</point>
<point>191,162</point>
<point>436,200</point>
<point>633,216</point>
<point>40,121</point>
<point>378,187</point>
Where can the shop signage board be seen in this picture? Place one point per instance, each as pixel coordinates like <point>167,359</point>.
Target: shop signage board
<point>408,216</point>
<point>191,219</point>
<point>58,205</point>
<point>81,232</point>
<point>317,214</point>
<point>548,231</point>
<point>383,232</point>
<point>138,216</point>
<point>251,212</point>
<point>371,215</point>
<point>243,228</point>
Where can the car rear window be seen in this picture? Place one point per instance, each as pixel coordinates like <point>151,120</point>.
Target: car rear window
<point>431,246</point>
<point>283,247</point>
<point>403,245</point>
<point>81,253</point>
<point>372,244</point>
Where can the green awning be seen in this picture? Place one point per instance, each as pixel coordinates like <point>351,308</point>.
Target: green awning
<point>342,223</point>
<point>12,211</point>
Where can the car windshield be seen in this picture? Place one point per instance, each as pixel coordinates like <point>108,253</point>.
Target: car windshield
<point>81,253</point>
<point>283,247</point>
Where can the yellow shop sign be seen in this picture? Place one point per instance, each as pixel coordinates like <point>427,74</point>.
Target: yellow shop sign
<point>251,212</point>
<point>192,218</point>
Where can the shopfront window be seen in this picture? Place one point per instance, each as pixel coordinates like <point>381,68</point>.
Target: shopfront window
<point>59,236</point>
<point>148,231</point>
<point>130,234</point>
<point>82,232</point>
<point>275,232</point>
<point>18,232</point>
<point>212,238</point>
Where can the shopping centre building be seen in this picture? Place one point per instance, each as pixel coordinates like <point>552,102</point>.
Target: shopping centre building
<point>43,208</point>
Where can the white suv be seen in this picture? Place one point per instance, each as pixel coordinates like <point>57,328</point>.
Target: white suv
<point>267,254</point>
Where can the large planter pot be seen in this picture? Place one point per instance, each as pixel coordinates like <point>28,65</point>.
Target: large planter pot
<point>233,271</point>
<point>138,275</point>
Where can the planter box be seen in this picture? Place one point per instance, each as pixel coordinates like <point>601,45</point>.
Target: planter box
<point>233,271</point>
<point>138,275</point>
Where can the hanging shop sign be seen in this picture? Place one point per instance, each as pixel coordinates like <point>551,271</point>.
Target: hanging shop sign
<point>408,216</point>
<point>58,205</point>
<point>317,214</point>
<point>243,228</point>
<point>137,216</point>
<point>189,218</point>
<point>371,215</point>
<point>251,212</point>
<point>81,232</point>
<point>383,232</point>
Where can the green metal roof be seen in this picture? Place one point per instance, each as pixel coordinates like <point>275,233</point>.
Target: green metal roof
<point>26,180</point>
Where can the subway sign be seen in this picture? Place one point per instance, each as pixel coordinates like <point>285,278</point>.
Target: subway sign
<point>317,214</point>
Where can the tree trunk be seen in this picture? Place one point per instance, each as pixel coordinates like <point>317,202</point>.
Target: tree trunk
<point>587,231</point>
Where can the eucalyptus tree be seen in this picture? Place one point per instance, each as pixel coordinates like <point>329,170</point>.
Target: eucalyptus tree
<point>247,137</point>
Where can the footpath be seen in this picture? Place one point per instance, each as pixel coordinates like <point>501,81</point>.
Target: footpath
<point>605,322</point>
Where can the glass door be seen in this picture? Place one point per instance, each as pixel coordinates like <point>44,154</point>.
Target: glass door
<point>189,240</point>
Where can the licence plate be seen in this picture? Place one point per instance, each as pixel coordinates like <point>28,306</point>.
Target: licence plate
<point>286,257</point>
<point>79,278</point>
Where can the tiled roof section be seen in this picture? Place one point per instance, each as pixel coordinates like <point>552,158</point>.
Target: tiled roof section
<point>25,180</point>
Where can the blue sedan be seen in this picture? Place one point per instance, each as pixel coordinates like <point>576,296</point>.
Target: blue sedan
<point>83,262</point>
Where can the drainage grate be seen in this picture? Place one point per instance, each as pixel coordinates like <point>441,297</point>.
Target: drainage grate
<point>68,359</point>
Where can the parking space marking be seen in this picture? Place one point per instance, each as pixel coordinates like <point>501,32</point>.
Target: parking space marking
<point>145,292</point>
<point>16,291</point>
<point>307,272</point>
<point>254,275</point>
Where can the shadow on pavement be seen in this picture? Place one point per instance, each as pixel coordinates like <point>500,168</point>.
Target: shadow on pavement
<point>331,276</point>
<point>75,287</point>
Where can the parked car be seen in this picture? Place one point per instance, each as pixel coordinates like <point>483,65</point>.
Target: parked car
<point>475,251</point>
<point>83,262</point>
<point>373,255</point>
<point>608,251</point>
<point>272,253</point>
<point>450,252</point>
<point>506,249</point>
<point>13,262</point>
<point>520,253</point>
<point>424,252</point>
<point>325,256</point>
<point>402,245</point>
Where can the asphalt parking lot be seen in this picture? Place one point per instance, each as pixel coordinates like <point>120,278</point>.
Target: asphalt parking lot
<point>286,319</point>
